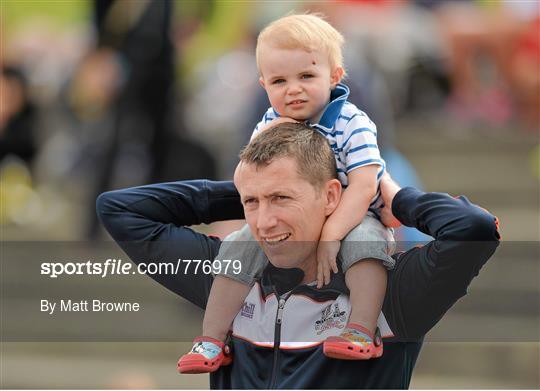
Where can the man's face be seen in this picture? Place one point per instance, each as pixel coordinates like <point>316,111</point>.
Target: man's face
<point>284,211</point>
<point>298,82</point>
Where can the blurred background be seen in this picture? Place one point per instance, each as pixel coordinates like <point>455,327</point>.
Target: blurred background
<point>105,94</point>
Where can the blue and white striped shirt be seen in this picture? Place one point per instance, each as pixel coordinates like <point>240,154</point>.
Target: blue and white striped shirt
<point>351,134</point>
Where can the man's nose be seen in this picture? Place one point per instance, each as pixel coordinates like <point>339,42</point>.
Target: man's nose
<point>266,218</point>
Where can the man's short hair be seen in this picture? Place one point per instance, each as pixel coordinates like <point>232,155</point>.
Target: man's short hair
<point>308,32</point>
<point>313,155</point>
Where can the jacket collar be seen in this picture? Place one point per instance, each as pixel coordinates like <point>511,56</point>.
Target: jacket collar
<point>280,281</point>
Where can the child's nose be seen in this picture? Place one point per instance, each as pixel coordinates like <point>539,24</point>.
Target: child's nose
<point>295,88</point>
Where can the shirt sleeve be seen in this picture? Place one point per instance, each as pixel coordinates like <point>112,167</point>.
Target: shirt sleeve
<point>359,143</point>
<point>150,224</point>
<point>428,280</point>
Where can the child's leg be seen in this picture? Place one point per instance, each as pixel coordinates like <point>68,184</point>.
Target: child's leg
<point>360,340</point>
<point>224,303</point>
<point>366,281</point>
<point>231,287</point>
<point>364,255</point>
<point>227,295</point>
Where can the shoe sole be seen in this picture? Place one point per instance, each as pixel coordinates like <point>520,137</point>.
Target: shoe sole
<point>197,363</point>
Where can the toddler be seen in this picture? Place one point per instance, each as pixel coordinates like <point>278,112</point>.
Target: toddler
<point>300,64</point>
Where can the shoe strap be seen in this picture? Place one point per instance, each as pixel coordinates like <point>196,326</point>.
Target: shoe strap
<point>204,338</point>
<point>357,328</point>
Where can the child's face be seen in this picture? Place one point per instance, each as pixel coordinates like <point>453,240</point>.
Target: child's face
<point>298,82</point>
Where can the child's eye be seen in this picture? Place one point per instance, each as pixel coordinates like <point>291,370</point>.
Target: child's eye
<point>307,76</point>
<point>278,81</point>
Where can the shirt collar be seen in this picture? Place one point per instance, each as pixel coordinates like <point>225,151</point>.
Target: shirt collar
<point>329,115</point>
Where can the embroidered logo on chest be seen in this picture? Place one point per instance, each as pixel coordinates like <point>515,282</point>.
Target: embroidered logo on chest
<point>332,316</point>
<point>248,309</point>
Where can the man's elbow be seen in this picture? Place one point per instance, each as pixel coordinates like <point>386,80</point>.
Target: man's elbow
<point>103,202</point>
<point>481,234</point>
<point>107,207</point>
<point>482,226</point>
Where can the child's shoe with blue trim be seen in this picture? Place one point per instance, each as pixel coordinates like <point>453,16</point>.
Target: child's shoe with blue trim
<point>354,343</point>
<point>206,355</point>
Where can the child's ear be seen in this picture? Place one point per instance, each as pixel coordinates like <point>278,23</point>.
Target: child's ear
<point>336,76</point>
<point>261,82</point>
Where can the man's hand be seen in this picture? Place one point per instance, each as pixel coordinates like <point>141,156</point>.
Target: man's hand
<point>389,189</point>
<point>326,261</point>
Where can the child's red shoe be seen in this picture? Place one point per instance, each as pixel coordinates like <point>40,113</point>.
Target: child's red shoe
<point>354,343</point>
<point>206,355</point>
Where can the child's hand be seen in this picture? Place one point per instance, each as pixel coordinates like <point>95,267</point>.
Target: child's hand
<point>276,122</point>
<point>326,261</point>
<point>389,189</point>
<point>388,219</point>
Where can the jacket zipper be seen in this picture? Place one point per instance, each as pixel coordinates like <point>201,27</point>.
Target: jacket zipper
<point>277,336</point>
<point>277,341</point>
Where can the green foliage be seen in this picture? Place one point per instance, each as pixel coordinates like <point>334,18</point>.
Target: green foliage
<point>59,13</point>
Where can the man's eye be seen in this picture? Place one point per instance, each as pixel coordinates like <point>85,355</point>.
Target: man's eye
<point>281,198</point>
<point>249,201</point>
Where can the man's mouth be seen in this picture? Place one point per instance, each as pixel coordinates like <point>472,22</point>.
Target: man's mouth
<point>276,239</point>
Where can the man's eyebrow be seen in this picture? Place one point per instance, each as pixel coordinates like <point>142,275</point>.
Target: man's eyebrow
<point>278,192</point>
<point>281,192</point>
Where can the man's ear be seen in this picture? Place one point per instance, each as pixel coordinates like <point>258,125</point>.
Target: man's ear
<point>261,82</point>
<point>336,76</point>
<point>332,192</point>
<point>236,175</point>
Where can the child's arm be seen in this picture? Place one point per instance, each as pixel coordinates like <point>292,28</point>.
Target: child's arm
<point>350,212</point>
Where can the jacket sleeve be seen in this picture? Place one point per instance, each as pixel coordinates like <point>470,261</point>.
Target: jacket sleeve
<point>428,280</point>
<point>150,224</point>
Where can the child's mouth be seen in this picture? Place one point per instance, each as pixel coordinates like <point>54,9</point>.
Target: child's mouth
<point>296,102</point>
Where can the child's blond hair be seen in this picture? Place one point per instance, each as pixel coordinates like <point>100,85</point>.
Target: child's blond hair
<point>308,32</point>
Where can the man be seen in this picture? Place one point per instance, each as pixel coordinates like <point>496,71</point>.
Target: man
<point>287,188</point>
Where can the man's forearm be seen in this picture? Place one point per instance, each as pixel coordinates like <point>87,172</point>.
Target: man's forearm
<point>148,222</point>
<point>427,281</point>
<point>444,217</point>
<point>180,203</point>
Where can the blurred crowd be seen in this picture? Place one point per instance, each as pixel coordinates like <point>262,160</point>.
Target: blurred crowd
<point>103,94</point>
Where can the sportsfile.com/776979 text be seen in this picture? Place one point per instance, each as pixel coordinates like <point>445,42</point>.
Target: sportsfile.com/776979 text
<point>113,266</point>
